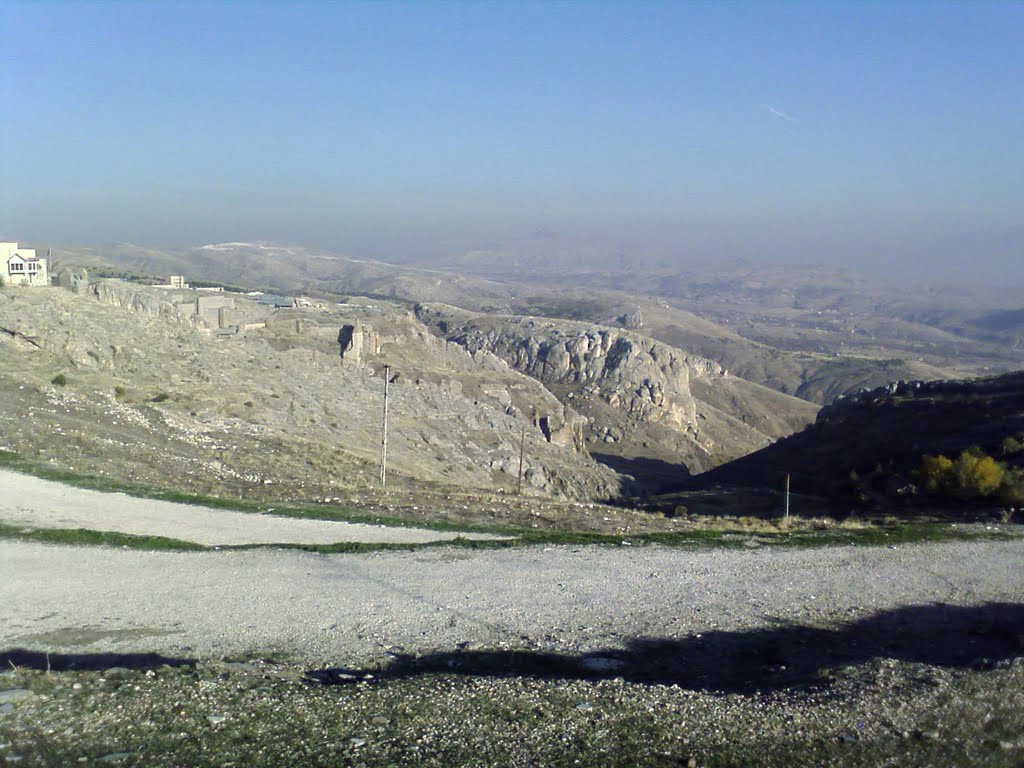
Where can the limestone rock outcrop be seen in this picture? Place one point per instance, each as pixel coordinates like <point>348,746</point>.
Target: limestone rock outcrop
<point>121,294</point>
<point>632,373</point>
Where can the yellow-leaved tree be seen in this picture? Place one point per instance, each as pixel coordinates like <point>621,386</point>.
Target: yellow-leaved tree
<point>973,474</point>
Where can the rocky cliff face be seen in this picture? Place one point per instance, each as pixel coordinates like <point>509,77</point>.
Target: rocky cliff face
<point>634,374</point>
<point>636,394</point>
<point>119,294</point>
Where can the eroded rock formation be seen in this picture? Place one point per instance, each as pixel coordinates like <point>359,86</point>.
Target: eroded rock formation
<point>642,377</point>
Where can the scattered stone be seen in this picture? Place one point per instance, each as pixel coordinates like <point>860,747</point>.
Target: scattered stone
<point>216,719</point>
<point>6,708</point>
<point>586,706</point>
<point>114,757</point>
<point>357,742</point>
<point>331,677</point>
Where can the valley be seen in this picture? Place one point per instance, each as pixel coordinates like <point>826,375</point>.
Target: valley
<point>580,531</point>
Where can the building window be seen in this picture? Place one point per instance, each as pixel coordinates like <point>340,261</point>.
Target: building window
<point>33,266</point>
<point>17,266</point>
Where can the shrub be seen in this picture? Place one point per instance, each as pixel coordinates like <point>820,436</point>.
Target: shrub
<point>119,391</point>
<point>1010,446</point>
<point>977,474</point>
<point>936,474</point>
<point>60,380</point>
<point>1011,491</point>
<point>160,397</point>
<point>971,476</point>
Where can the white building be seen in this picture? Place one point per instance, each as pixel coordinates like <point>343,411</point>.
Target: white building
<point>21,266</point>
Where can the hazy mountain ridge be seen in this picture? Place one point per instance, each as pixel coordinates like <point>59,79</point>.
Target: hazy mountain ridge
<point>810,332</point>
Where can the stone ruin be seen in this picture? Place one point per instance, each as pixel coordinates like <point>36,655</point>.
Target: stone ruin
<point>74,279</point>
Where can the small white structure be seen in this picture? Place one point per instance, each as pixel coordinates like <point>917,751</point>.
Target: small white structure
<point>176,282</point>
<point>21,266</point>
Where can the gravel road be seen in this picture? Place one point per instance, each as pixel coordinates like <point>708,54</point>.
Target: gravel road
<point>32,501</point>
<point>353,608</point>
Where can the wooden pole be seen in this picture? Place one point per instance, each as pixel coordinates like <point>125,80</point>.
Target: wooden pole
<point>384,431</point>
<point>786,516</point>
<point>522,451</point>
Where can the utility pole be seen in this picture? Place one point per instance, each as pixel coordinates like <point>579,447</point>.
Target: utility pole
<point>522,450</point>
<point>384,431</point>
<point>786,516</point>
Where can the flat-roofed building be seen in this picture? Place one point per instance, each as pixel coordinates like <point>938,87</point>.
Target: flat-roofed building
<point>21,266</point>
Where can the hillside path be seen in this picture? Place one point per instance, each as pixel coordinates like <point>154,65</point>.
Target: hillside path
<point>28,501</point>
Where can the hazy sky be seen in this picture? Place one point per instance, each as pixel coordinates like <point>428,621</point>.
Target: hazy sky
<point>888,136</point>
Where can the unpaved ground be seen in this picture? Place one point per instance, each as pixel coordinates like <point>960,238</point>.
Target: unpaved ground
<point>32,501</point>
<point>355,608</point>
<point>909,655</point>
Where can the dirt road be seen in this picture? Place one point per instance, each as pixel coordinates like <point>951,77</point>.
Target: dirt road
<point>356,607</point>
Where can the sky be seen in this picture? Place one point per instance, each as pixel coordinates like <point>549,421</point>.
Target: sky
<point>886,137</point>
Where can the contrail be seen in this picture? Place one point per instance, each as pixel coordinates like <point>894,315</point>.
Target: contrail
<point>780,113</point>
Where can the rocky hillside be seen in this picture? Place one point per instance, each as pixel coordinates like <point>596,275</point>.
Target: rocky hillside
<point>153,386</point>
<point>887,429</point>
<point>644,399</point>
<point>812,333</point>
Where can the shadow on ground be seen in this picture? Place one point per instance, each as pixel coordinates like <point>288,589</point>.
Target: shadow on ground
<point>57,662</point>
<point>651,476</point>
<point>772,658</point>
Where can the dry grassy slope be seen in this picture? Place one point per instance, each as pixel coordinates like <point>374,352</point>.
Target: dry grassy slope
<point>216,414</point>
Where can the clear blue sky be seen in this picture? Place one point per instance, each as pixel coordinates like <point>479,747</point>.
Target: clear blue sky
<point>883,135</point>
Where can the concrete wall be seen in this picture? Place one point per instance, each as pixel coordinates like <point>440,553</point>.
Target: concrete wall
<point>213,309</point>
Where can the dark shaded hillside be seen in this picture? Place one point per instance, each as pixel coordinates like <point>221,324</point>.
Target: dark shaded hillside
<point>891,427</point>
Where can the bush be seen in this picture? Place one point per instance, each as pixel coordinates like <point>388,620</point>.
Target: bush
<point>977,474</point>
<point>159,398</point>
<point>119,391</point>
<point>936,474</point>
<point>973,475</point>
<point>1011,492</point>
<point>60,380</point>
<point>1010,446</point>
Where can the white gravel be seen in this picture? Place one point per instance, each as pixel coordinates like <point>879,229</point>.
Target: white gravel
<point>350,608</point>
<point>28,501</point>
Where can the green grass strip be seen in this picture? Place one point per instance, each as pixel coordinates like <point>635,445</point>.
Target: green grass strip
<point>84,537</point>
